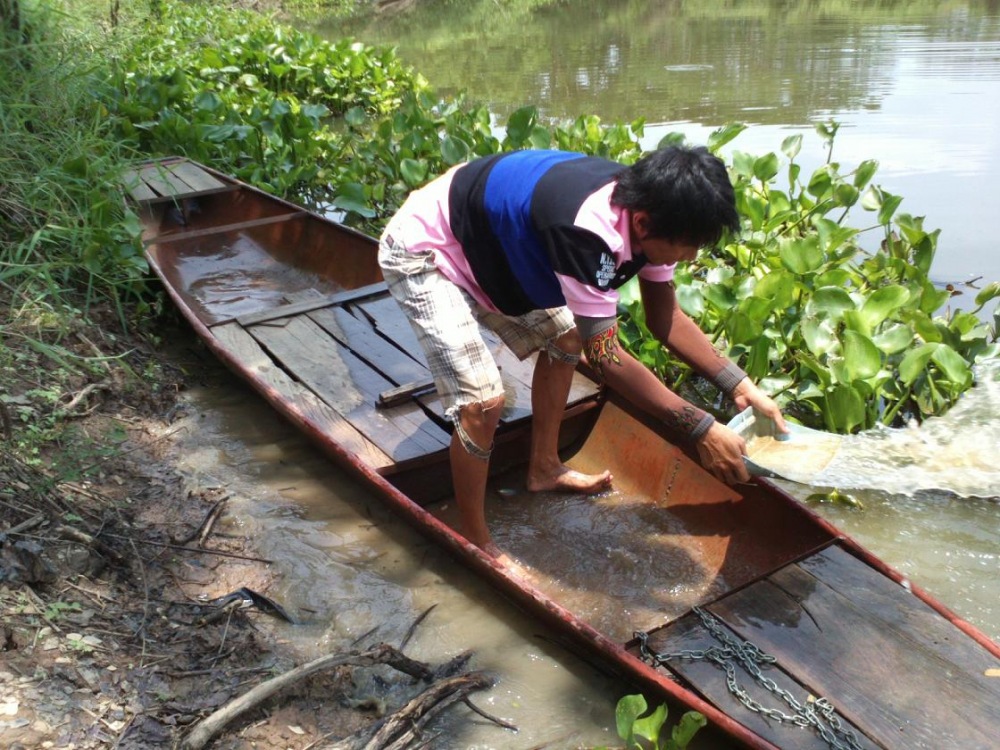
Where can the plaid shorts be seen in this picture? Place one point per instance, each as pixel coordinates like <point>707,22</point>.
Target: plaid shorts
<point>446,321</point>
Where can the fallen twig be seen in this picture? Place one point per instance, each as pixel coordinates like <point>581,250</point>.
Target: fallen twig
<point>207,728</point>
<point>70,409</point>
<point>402,727</point>
<point>412,629</point>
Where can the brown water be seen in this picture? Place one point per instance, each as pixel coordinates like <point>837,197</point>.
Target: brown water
<point>347,566</point>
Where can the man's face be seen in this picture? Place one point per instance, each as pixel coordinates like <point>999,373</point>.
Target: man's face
<point>661,252</point>
<point>658,250</point>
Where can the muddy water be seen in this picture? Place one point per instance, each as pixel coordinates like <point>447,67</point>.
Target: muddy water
<point>347,566</point>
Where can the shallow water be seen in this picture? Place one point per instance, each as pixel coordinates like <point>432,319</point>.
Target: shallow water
<point>346,566</point>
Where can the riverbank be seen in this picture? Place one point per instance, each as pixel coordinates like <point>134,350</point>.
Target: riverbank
<point>123,583</point>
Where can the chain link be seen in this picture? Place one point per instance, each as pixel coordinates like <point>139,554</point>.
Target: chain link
<point>817,713</point>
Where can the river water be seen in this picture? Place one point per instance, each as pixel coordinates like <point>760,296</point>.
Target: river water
<point>915,85</point>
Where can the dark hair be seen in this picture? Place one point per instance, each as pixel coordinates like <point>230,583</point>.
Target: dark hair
<point>685,191</point>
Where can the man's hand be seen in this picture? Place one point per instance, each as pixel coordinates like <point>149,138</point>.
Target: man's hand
<point>746,393</point>
<point>721,451</point>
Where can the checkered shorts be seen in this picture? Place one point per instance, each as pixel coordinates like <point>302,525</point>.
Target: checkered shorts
<point>446,320</point>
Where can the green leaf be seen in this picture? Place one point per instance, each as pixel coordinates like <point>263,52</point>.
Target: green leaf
<point>861,356</point>
<point>207,101</point>
<point>648,727</point>
<point>952,365</point>
<point>801,255</point>
<point>685,730</point>
<point>520,124</point>
<point>672,139</point>
<point>882,303</point>
<point>454,150</point>
<point>766,167</point>
<point>355,117</point>
<point>845,408</point>
<point>820,182</point>
<point>819,335</point>
<point>915,362</point>
<point>845,194</point>
<point>893,339</point>
<point>629,708</point>
<point>871,199</point>
<point>864,173</point>
<point>791,146</point>
<point>777,287</point>
<point>413,171</point>
<point>719,138</point>
<point>691,301</point>
<point>351,197</point>
<point>987,293</point>
<point>758,363</point>
<point>889,205</point>
<point>540,137</point>
<point>829,301</point>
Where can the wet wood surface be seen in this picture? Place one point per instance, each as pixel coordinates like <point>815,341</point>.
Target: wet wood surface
<point>897,670</point>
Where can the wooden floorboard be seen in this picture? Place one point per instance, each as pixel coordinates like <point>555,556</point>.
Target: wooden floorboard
<point>902,693</point>
<point>360,337</point>
<point>259,366</point>
<point>350,386</point>
<point>709,680</point>
<point>904,613</point>
<point>389,320</point>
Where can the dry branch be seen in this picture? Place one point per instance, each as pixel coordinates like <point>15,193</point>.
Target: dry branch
<point>401,728</point>
<point>207,728</point>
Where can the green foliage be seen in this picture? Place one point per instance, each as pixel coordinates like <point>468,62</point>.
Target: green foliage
<point>647,732</point>
<point>844,330</point>
<point>257,99</point>
<point>843,336</point>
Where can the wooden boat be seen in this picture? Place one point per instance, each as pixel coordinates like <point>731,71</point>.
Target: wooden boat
<point>679,582</point>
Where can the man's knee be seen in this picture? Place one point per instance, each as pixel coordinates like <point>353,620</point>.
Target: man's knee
<point>565,348</point>
<point>475,425</point>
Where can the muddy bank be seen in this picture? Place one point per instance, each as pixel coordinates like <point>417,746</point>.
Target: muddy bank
<point>131,609</point>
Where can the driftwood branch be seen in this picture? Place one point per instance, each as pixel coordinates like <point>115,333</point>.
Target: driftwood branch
<point>401,728</point>
<point>207,728</point>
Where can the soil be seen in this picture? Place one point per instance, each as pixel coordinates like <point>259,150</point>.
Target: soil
<point>115,626</point>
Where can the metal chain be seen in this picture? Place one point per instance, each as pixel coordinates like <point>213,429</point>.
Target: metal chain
<point>817,713</point>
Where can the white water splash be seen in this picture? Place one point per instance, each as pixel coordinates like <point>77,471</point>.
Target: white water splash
<point>955,453</point>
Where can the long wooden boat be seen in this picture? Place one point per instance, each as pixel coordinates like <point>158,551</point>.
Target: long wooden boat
<point>734,601</point>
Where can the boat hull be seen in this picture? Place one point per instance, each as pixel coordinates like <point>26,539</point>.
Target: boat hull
<point>294,304</point>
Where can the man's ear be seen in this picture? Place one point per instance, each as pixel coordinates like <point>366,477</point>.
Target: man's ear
<point>640,224</point>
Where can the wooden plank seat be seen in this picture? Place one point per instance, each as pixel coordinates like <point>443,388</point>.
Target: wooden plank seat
<point>895,670</point>
<point>168,180</point>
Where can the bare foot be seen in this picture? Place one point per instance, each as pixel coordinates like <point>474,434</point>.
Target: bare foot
<point>565,479</point>
<point>509,563</point>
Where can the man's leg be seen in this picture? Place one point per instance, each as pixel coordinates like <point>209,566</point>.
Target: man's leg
<point>469,453</point>
<point>550,386</point>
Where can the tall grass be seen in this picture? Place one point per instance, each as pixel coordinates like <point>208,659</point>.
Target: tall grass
<point>66,241</point>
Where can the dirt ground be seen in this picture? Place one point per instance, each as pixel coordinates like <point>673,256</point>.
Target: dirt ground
<point>123,617</point>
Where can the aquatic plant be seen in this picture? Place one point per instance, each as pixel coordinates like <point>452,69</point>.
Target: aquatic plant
<point>648,732</point>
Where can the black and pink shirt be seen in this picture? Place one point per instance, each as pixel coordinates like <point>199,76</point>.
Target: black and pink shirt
<point>528,230</point>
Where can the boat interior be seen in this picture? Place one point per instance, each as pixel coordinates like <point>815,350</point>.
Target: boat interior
<point>295,303</point>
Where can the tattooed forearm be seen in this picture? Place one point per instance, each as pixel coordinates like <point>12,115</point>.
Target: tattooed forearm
<point>684,420</point>
<point>601,349</point>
